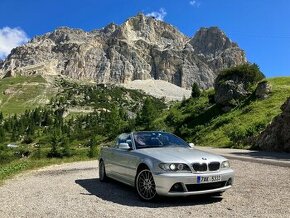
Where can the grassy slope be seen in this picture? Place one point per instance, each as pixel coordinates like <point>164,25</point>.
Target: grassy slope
<point>250,117</point>
<point>23,93</point>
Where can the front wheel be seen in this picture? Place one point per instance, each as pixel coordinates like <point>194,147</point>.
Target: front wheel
<point>102,172</point>
<point>145,185</point>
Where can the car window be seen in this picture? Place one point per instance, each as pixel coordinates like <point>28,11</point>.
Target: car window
<point>157,139</point>
<point>123,138</point>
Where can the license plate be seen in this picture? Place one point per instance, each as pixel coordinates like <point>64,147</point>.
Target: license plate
<point>208,179</point>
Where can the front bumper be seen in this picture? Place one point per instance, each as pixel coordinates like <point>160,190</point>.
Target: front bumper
<point>188,182</point>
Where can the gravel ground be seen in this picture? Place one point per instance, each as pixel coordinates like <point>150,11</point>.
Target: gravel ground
<point>73,190</point>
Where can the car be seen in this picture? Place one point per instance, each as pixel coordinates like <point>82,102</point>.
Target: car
<point>158,163</point>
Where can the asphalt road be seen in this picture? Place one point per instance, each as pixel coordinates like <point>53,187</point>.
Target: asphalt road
<point>74,190</point>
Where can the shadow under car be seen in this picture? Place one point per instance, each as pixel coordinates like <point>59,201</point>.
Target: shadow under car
<point>125,195</point>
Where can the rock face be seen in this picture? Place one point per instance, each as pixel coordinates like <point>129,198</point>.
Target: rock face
<point>263,90</point>
<point>141,48</point>
<point>276,136</point>
<point>229,93</point>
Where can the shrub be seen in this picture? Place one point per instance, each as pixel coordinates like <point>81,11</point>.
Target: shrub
<point>93,143</point>
<point>249,74</point>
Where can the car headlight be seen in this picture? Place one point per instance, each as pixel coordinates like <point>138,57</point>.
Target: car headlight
<point>225,164</point>
<point>174,167</point>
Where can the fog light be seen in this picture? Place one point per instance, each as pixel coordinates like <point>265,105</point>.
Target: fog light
<point>230,181</point>
<point>177,187</point>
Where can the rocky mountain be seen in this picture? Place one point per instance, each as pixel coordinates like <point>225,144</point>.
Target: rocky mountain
<point>141,48</point>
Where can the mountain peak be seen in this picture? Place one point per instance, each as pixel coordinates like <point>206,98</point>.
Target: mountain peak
<point>140,48</point>
<point>210,41</point>
<point>152,31</point>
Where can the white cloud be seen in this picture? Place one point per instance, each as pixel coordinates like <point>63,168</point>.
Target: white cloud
<point>194,3</point>
<point>159,15</point>
<point>11,38</point>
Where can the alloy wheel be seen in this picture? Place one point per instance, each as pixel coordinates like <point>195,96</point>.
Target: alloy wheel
<point>145,185</point>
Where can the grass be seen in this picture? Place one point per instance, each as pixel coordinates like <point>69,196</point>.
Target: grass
<point>8,171</point>
<point>38,158</point>
<point>18,94</point>
<point>206,125</point>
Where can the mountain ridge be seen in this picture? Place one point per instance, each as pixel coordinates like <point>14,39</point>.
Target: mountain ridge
<point>141,48</point>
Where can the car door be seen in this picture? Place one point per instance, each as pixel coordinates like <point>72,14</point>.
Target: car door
<point>125,162</point>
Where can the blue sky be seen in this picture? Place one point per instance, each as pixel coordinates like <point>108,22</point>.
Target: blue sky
<point>260,27</point>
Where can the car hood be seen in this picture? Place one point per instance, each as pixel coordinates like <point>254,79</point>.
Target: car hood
<point>177,155</point>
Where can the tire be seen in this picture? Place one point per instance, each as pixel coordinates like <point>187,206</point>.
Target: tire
<point>145,185</point>
<point>102,172</point>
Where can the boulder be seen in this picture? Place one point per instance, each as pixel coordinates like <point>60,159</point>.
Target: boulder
<point>263,90</point>
<point>228,93</point>
<point>276,136</point>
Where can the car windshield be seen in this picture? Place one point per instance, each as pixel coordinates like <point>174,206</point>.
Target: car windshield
<point>157,139</point>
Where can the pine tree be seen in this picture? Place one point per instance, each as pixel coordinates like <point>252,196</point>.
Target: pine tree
<point>195,91</point>
<point>148,115</point>
<point>2,134</point>
<point>1,117</point>
<point>113,122</point>
<point>66,151</point>
<point>92,147</point>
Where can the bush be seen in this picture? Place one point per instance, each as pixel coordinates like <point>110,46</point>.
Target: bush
<point>93,143</point>
<point>27,139</point>
<point>249,74</point>
<point>59,146</point>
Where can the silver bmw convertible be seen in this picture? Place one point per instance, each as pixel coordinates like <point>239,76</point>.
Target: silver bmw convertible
<point>160,163</point>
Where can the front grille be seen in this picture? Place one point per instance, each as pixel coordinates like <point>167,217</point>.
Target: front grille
<point>205,186</point>
<point>213,166</point>
<point>199,167</point>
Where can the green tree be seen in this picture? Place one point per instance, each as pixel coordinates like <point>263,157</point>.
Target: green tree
<point>195,91</point>
<point>66,151</point>
<point>55,141</point>
<point>1,117</point>
<point>92,147</point>
<point>148,114</point>
<point>113,122</point>
<point>2,134</point>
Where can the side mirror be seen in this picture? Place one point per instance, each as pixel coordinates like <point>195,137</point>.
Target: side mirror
<point>124,146</point>
<point>191,145</point>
